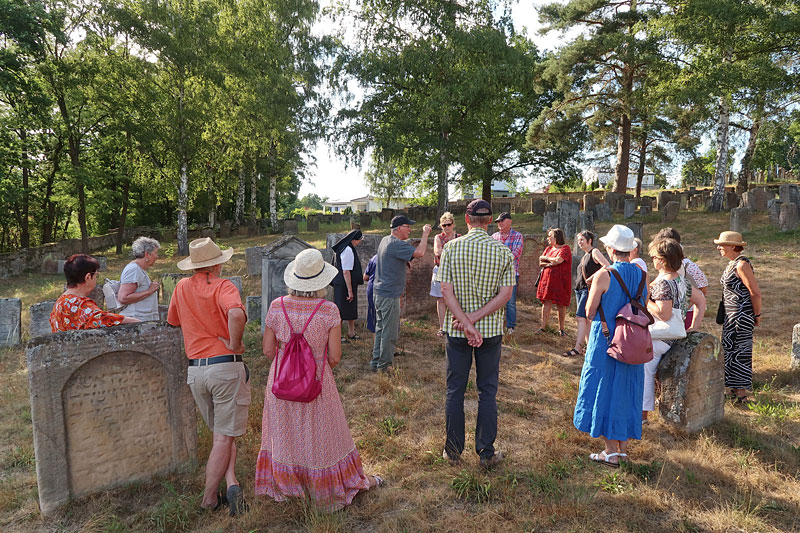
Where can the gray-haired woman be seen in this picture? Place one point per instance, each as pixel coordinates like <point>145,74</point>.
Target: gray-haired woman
<point>136,291</point>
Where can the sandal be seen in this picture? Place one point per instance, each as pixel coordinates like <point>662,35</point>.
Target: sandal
<point>572,353</point>
<point>379,481</point>
<point>603,458</point>
<point>441,333</point>
<point>622,458</point>
<point>355,337</point>
<point>742,399</point>
<point>562,333</point>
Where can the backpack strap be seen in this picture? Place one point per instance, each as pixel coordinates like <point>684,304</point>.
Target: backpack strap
<point>635,303</point>
<point>287,317</point>
<point>314,312</point>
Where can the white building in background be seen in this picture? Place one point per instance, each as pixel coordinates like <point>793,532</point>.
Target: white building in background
<point>500,189</point>
<point>363,204</point>
<point>605,176</point>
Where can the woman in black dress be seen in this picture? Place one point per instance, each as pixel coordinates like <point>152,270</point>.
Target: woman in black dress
<point>346,282</point>
<point>742,300</point>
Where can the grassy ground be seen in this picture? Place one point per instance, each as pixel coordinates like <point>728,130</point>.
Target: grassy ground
<point>739,475</point>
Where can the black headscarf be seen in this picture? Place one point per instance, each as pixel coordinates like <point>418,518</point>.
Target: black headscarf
<point>354,235</point>
<point>357,276</point>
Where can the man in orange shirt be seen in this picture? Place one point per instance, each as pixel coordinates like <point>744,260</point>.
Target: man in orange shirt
<point>210,313</point>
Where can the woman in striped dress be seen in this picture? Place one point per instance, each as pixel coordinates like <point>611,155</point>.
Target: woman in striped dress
<point>742,299</point>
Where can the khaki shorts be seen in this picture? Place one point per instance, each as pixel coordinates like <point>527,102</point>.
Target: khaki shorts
<point>222,394</point>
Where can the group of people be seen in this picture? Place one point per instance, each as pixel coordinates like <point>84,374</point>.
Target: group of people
<point>306,446</point>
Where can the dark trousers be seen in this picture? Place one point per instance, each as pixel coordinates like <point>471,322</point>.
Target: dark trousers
<point>487,368</point>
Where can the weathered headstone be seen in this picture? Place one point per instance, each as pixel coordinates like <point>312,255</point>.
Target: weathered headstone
<point>252,257</point>
<point>290,226</point>
<point>646,201</point>
<point>637,228</point>
<point>550,220</point>
<point>663,198</point>
<point>630,208</point>
<point>312,223</point>
<point>207,232</point>
<point>644,210</point>
<point>568,214</point>
<point>109,406</point>
<point>759,198</point>
<point>254,309</point>
<point>683,200</point>
<point>40,318</point>
<point>774,212</point>
<point>602,213</point>
<point>102,261</point>
<point>796,347</point>
<point>365,220</point>
<point>615,201</point>
<point>225,229</point>
<point>10,321</point>
<point>539,206</point>
<point>60,266</point>
<point>589,201</point>
<point>552,207</point>
<point>740,219</point>
<point>237,281</point>
<point>730,200</point>
<point>692,379</point>
<point>275,258</point>
<point>670,212</point>
<point>163,311</point>
<point>789,194</point>
<point>789,217</point>
<point>387,215</point>
<point>502,205</point>
<point>336,218</point>
<point>586,221</point>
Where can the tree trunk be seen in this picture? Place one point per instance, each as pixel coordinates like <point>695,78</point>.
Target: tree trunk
<point>238,216</point>
<point>123,214</point>
<point>212,210</point>
<point>253,195</point>
<point>486,184</point>
<point>183,204</point>
<point>273,201</point>
<point>24,231</point>
<point>48,206</point>
<point>624,136</point>
<point>744,173</point>
<point>721,169</point>
<point>640,170</point>
<point>441,175</point>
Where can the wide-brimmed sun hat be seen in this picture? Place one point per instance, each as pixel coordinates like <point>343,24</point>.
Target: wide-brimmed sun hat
<point>620,238</point>
<point>731,238</point>
<point>309,272</point>
<point>204,253</point>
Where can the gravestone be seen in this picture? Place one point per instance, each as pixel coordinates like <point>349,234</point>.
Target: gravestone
<point>163,311</point>
<point>789,194</point>
<point>789,217</point>
<point>774,212</point>
<point>365,221</point>
<point>60,266</point>
<point>207,232</point>
<point>102,261</point>
<point>252,257</point>
<point>586,221</point>
<point>663,198</point>
<point>552,207</point>
<point>692,376</point>
<point>589,201</point>
<point>290,226</point>
<point>277,227</point>
<point>637,228</point>
<point>387,215</point>
<point>40,318</point>
<point>336,218</point>
<point>577,256</point>
<point>759,197</point>
<point>327,219</point>
<point>50,264</point>
<point>602,213</point>
<point>568,214</point>
<point>795,347</point>
<point>683,200</point>
<point>646,201</point>
<point>312,223</point>
<point>10,321</point>
<point>225,229</point>
<point>354,222</point>
<point>644,210</point>
<point>630,208</point>
<point>670,212</point>
<point>539,206</point>
<point>730,200</point>
<point>740,219</point>
<point>110,406</point>
<point>615,201</point>
<point>254,309</point>
<point>695,202</point>
<point>550,220</point>
<point>274,259</point>
<point>491,229</point>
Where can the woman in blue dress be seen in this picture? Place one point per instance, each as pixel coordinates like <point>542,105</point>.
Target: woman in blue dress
<point>610,393</point>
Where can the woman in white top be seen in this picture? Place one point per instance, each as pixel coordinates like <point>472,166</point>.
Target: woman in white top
<point>137,293</point>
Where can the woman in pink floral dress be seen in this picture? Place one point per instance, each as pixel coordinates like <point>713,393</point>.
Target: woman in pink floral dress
<point>307,448</point>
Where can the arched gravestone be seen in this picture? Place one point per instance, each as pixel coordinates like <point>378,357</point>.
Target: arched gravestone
<point>274,259</point>
<point>692,376</point>
<point>109,406</point>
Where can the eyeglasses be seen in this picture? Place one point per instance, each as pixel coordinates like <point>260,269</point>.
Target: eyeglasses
<point>447,225</point>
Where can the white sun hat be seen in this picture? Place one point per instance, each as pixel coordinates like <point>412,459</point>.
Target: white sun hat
<point>309,272</point>
<point>204,253</point>
<point>620,238</point>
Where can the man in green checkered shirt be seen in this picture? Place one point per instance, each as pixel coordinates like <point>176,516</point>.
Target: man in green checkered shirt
<point>477,277</point>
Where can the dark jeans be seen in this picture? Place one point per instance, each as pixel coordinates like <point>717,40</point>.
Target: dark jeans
<point>511,307</point>
<point>487,368</point>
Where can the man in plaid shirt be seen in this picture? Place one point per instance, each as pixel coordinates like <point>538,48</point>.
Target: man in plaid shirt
<point>477,277</point>
<point>513,239</point>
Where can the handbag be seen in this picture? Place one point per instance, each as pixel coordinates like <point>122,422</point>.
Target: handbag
<point>631,343</point>
<point>668,330</point>
<point>538,278</point>
<point>721,313</point>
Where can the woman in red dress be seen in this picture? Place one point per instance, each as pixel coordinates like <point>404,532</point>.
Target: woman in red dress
<point>556,281</point>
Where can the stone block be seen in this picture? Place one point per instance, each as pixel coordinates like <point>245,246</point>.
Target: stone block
<point>290,226</point>
<point>336,218</point>
<point>683,200</point>
<point>237,281</point>
<point>277,228</point>
<point>796,347</point>
<point>254,309</point>
<point>789,217</point>
<point>10,321</point>
<point>568,215</point>
<point>365,220</point>
<point>327,219</point>
<point>789,194</point>
<point>638,230</point>
<point>663,198</point>
<point>387,215</point>
<point>110,406</point>
<point>60,266</point>
<point>163,310</point>
<point>529,266</point>
<point>615,201</point>
<point>586,221</point>
<point>774,212</point>
<point>50,264</point>
<point>103,261</point>
<point>589,201</point>
<point>225,229</point>
<point>730,200</point>
<point>758,199</point>
<point>644,210</point>
<point>274,259</point>
<point>670,212</point>
<point>692,378</point>
<point>208,232</point>
<point>552,207</point>
<point>602,213</point>
<point>646,201</point>
<point>252,257</point>
<point>312,223</point>
<point>629,209</point>
<point>40,318</point>
<point>550,220</point>
<point>740,219</point>
<point>539,206</point>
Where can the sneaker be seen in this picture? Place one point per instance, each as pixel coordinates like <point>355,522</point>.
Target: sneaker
<point>236,501</point>
<point>453,461</point>
<point>510,331</point>
<point>491,462</point>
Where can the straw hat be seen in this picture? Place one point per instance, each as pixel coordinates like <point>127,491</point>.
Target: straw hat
<point>309,272</point>
<point>204,253</point>
<point>620,238</point>
<point>732,238</point>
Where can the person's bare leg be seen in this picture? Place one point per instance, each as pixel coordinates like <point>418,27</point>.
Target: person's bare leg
<point>351,328</point>
<point>440,311</point>
<point>219,461</point>
<point>546,313</point>
<point>562,316</point>
<point>230,473</point>
<point>612,446</point>
<point>580,339</point>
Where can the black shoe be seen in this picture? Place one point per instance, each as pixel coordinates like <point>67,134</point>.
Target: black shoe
<point>355,337</point>
<point>236,501</point>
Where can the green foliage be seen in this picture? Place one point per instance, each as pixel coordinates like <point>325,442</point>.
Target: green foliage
<point>176,512</point>
<point>613,482</point>
<point>392,425</point>
<point>470,487</point>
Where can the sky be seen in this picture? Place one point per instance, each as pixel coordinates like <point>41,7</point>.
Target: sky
<point>332,179</point>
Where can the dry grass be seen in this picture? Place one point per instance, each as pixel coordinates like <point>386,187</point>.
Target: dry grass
<point>739,475</point>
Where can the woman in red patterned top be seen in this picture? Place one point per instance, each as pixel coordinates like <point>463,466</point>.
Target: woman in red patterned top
<point>74,309</point>
<point>556,282</point>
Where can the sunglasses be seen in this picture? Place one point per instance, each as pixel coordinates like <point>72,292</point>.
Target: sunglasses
<point>447,225</point>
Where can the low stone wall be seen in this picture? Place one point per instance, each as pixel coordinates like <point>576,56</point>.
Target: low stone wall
<point>109,406</point>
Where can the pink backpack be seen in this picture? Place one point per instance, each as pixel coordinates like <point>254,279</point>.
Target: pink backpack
<point>296,378</point>
<point>631,343</point>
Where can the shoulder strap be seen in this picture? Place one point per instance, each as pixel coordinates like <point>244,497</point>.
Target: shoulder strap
<point>287,316</point>
<point>634,301</point>
<point>314,312</point>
